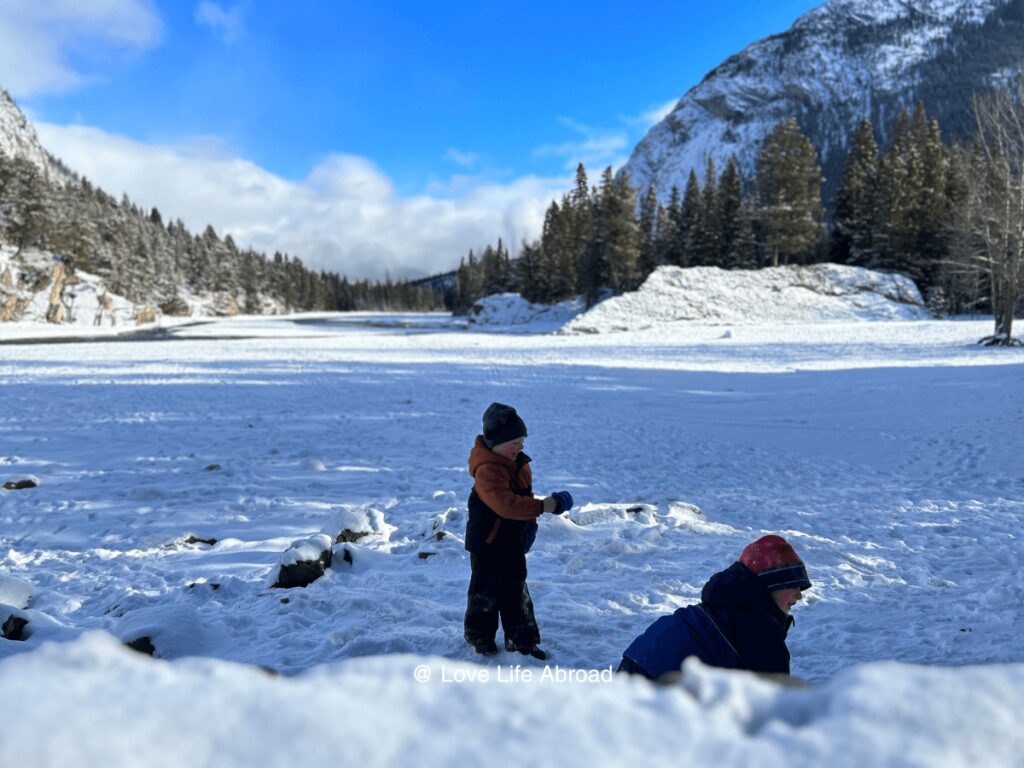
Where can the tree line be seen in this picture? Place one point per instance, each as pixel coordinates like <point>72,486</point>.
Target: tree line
<point>920,208</point>
<point>153,263</point>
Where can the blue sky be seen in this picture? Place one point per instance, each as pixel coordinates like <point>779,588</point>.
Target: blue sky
<point>411,131</point>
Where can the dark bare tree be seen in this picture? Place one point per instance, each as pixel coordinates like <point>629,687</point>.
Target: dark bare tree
<point>993,209</point>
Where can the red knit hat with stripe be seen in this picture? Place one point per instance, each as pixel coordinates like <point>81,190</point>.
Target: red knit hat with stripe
<point>776,564</point>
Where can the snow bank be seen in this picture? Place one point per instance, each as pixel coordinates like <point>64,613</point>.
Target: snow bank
<point>511,309</point>
<point>15,592</point>
<point>409,710</point>
<point>818,293</point>
<point>351,523</point>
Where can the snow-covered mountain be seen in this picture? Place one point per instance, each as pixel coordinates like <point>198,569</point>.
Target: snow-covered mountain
<point>843,61</point>
<point>18,139</point>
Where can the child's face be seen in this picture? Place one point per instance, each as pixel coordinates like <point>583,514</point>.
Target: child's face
<point>787,598</point>
<point>511,449</point>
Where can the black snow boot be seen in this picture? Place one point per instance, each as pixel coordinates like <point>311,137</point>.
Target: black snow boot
<point>526,650</point>
<point>485,647</point>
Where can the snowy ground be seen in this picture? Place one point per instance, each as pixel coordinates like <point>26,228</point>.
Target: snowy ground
<point>889,453</point>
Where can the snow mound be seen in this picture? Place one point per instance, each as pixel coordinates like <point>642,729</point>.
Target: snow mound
<point>791,294</point>
<point>15,592</point>
<point>511,309</point>
<point>233,715</point>
<point>351,523</point>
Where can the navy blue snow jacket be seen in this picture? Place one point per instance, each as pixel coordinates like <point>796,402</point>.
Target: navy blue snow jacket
<point>737,625</point>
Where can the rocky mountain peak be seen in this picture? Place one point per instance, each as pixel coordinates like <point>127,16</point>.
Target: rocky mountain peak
<point>839,63</point>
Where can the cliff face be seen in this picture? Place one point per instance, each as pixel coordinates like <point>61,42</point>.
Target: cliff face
<point>841,62</point>
<point>18,139</point>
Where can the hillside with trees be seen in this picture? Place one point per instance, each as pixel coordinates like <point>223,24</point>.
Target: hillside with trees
<point>158,264</point>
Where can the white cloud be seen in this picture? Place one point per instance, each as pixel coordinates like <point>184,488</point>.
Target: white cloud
<point>596,148</point>
<point>38,40</point>
<point>465,159</point>
<point>228,22</point>
<point>344,216</point>
<point>652,117</point>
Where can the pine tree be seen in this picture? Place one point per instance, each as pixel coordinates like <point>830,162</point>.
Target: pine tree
<point>746,251</point>
<point>669,239</point>
<point>730,203</point>
<point>530,267</point>
<point>789,194</point>
<point>492,268</point>
<point>623,235</point>
<point>853,224</point>
<point>691,214</point>
<point>933,205</point>
<point>578,230</point>
<point>613,249</point>
<point>911,210</point>
<point>707,240</point>
<point>559,256</point>
<point>649,256</point>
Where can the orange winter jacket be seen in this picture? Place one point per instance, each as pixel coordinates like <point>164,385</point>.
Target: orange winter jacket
<point>505,489</point>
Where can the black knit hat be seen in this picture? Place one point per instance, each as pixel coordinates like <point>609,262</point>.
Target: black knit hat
<point>501,424</point>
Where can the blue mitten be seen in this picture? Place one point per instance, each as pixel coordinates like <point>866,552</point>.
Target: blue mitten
<point>564,499</point>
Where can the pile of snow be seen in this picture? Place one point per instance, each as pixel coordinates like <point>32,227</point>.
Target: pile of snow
<point>510,309</point>
<point>91,702</point>
<point>353,522</point>
<point>36,287</point>
<point>791,294</point>
<point>15,592</point>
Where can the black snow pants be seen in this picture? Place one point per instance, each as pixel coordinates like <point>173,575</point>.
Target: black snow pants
<point>497,588</point>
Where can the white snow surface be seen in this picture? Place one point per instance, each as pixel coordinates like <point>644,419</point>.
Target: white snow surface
<point>887,452</point>
<point>817,293</point>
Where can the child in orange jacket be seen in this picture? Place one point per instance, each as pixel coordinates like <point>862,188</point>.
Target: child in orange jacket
<point>501,529</point>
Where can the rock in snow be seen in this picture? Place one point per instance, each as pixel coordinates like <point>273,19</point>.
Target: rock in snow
<point>304,562</point>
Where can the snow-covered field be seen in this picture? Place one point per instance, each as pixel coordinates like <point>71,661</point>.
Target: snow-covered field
<point>888,453</point>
